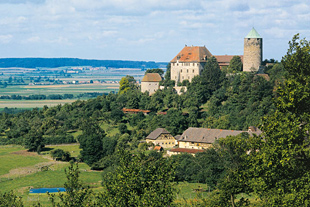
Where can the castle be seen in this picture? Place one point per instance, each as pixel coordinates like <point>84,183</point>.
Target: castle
<point>190,61</point>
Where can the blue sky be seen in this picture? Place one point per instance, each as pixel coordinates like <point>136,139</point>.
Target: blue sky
<point>151,30</point>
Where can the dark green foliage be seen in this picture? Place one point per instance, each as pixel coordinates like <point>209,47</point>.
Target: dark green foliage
<point>212,74</point>
<point>61,155</point>
<point>281,165</point>
<point>122,128</point>
<point>91,142</point>
<point>139,180</point>
<point>33,141</point>
<point>10,199</point>
<point>59,139</point>
<point>175,122</point>
<point>240,103</point>
<point>235,65</point>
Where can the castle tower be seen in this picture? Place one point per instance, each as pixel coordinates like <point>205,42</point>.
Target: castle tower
<point>253,51</point>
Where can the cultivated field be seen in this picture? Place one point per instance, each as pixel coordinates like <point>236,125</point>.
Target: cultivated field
<point>30,104</point>
<point>26,90</point>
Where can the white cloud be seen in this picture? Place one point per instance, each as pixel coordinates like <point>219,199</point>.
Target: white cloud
<point>107,27</point>
<point>5,39</point>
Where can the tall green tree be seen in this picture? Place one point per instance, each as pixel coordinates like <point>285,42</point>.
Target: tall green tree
<point>127,83</point>
<point>139,180</point>
<point>33,141</point>
<point>91,142</point>
<point>76,194</point>
<point>282,164</point>
<point>212,74</point>
<point>235,64</point>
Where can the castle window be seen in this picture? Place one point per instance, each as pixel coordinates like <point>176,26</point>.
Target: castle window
<point>193,71</point>
<point>181,70</point>
<point>187,70</point>
<point>177,64</point>
<point>257,38</point>
<point>183,77</point>
<point>249,38</point>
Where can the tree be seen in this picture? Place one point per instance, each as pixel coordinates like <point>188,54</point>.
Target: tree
<point>10,199</point>
<point>157,70</point>
<point>122,128</point>
<point>91,142</point>
<point>235,64</point>
<point>168,72</point>
<point>212,74</point>
<point>282,164</point>
<point>76,194</point>
<point>127,83</point>
<point>139,180</point>
<point>60,154</point>
<point>33,141</point>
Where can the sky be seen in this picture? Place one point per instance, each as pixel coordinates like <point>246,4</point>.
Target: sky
<point>148,30</point>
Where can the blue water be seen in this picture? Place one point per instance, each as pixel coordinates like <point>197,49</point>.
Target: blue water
<point>45,190</point>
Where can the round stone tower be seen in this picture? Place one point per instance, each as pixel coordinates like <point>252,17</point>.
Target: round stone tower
<point>253,51</point>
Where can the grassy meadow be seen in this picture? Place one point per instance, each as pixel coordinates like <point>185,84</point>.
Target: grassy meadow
<point>21,170</point>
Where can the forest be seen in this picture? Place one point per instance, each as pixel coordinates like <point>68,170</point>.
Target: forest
<point>272,168</point>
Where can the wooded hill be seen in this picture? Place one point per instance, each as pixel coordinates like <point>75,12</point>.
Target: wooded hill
<point>60,62</point>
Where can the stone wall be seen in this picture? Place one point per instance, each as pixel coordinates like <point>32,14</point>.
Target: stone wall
<point>185,71</point>
<point>253,53</point>
<point>151,87</point>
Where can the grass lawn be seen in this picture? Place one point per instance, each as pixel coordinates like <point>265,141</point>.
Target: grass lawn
<point>12,157</point>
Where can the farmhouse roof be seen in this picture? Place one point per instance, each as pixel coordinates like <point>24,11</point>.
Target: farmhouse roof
<point>156,133</point>
<point>192,54</point>
<point>205,135</point>
<point>151,77</point>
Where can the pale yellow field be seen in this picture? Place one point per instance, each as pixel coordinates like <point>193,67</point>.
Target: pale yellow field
<point>32,103</point>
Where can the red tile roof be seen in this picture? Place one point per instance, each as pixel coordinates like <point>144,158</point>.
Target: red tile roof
<point>158,148</point>
<point>225,59</point>
<point>192,54</point>
<point>186,150</point>
<point>135,110</point>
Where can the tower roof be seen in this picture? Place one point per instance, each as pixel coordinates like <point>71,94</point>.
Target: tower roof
<point>253,34</point>
<point>192,54</point>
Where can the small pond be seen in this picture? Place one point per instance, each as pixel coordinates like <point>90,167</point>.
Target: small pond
<point>45,190</point>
